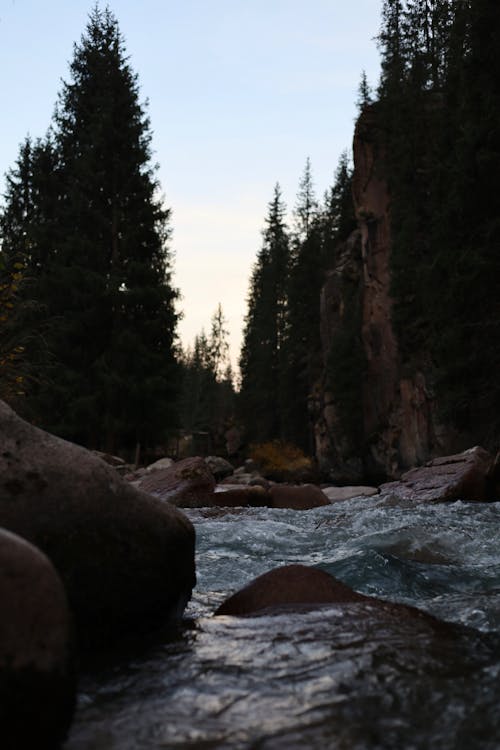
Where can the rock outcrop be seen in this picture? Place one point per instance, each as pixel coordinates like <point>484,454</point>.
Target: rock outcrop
<point>126,559</point>
<point>37,672</point>
<point>396,424</point>
<point>465,476</point>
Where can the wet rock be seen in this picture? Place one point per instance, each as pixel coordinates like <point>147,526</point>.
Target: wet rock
<point>235,496</point>
<point>289,585</point>
<point>337,494</point>
<point>243,478</point>
<point>299,588</point>
<point>219,467</point>
<point>300,497</point>
<point>126,559</point>
<point>463,476</point>
<point>37,676</point>
<point>188,483</point>
<point>162,463</point>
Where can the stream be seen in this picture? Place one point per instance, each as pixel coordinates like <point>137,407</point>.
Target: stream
<point>345,677</point>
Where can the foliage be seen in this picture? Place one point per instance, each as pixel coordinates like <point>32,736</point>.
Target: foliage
<point>83,206</point>
<point>206,397</point>
<point>280,459</point>
<point>439,102</point>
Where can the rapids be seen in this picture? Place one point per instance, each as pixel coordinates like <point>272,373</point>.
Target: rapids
<point>341,677</point>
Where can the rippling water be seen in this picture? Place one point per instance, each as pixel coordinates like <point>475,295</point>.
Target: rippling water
<point>344,677</point>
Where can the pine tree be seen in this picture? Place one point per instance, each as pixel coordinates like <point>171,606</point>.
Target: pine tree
<point>302,345</point>
<point>105,276</point>
<point>261,361</point>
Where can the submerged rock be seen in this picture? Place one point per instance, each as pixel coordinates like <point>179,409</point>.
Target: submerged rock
<point>126,559</point>
<point>299,588</point>
<point>188,483</point>
<point>463,476</point>
<point>37,676</point>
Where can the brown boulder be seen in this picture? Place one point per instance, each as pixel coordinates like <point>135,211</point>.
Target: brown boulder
<point>289,585</point>
<point>125,558</point>
<point>187,484</point>
<point>297,497</point>
<point>464,476</point>
<point>237,496</point>
<point>298,588</point>
<point>37,684</point>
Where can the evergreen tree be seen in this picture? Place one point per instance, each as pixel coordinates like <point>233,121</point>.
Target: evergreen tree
<point>105,275</point>
<point>261,361</point>
<point>302,346</point>
<point>364,93</point>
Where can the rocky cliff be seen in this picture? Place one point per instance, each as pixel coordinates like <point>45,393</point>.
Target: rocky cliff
<point>392,420</point>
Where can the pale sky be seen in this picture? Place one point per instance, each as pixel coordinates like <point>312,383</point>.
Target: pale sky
<point>240,93</point>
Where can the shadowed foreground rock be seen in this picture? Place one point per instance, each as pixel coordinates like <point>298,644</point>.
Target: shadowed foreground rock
<point>37,685</point>
<point>463,476</point>
<point>125,558</point>
<point>299,588</point>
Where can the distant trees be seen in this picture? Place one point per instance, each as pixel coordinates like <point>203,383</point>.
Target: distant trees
<point>262,355</point>
<point>82,208</point>
<point>207,395</point>
<point>281,354</point>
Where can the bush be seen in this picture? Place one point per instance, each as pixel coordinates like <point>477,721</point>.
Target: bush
<point>281,461</point>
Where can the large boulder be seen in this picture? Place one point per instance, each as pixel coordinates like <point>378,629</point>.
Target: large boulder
<point>37,676</point>
<point>297,497</point>
<point>126,559</point>
<point>299,588</point>
<point>463,476</point>
<point>236,496</point>
<point>189,483</point>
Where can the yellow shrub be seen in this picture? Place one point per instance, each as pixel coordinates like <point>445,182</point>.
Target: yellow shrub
<point>280,460</point>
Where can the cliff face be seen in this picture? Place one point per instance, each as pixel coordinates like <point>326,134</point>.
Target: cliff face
<point>397,427</point>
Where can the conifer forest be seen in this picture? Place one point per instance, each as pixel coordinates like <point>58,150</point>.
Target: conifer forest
<point>89,309</point>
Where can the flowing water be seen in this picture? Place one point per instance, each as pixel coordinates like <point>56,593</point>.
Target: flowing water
<point>344,677</point>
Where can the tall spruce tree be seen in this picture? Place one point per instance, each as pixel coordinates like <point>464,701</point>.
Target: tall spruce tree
<point>302,344</point>
<point>105,276</point>
<point>262,357</point>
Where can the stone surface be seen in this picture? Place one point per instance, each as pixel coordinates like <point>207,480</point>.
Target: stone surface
<point>336,494</point>
<point>463,476</point>
<point>188,483</point>
<point>399,426</point>
<point>235,496</point>
<point>301,497</point>
<point>243,478</point>
<point>37,675</point>
<point>162,463</point>
<point>126,559</point>
<point>219,467</point>
<point>299,588</point>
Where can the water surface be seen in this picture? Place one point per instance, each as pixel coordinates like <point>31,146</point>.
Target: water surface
<point>346,677</point>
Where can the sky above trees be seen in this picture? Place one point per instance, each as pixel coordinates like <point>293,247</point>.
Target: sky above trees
<point>240,94</point>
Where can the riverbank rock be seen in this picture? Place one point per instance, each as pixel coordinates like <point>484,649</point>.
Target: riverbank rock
<point>189,483</point>
<point>337,494</point>
<point>126,559</point>
<point>297,497</point>
<point>236,496</point>
<point>463,476</point>
<point>162,463</point>
<point>219,467</point>
<point>37,675</point>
